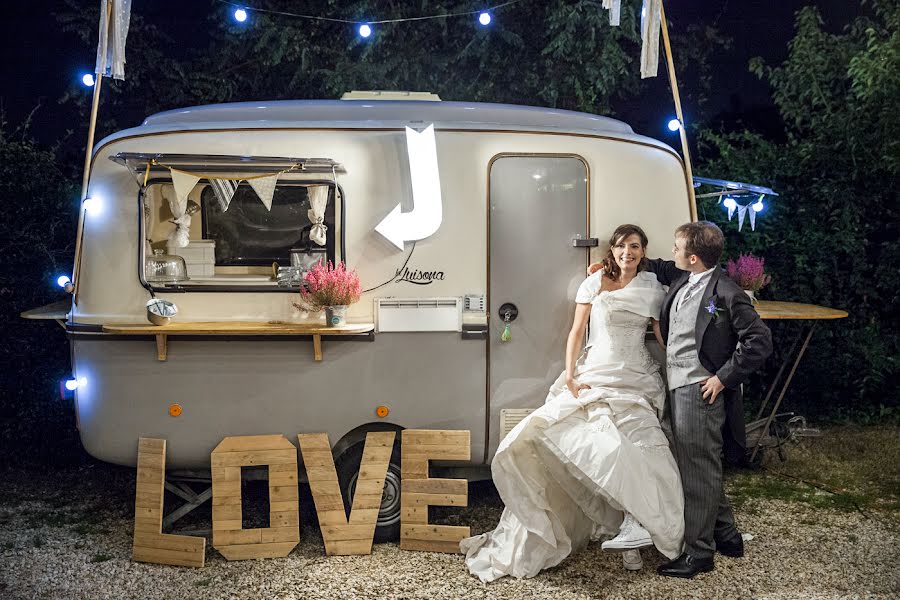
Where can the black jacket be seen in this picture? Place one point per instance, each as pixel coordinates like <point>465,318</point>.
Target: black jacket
<point>732,341</point>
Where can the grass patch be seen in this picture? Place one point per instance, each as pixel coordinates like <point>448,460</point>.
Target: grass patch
<point>100,557</point>
<point>861,465</point>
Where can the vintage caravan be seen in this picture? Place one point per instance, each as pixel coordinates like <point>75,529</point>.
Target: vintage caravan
<point>461,219</point>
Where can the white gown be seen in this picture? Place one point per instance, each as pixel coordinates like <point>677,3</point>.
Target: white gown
<point>568,470</point>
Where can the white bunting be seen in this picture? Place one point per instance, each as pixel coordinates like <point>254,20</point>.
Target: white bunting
<point>731,211</point>
<point>742,212</point>
<point>752,213</point>
<point>265,188</point>
<point>615,10</point>
<point>651,21</point>
<point>183,183</point>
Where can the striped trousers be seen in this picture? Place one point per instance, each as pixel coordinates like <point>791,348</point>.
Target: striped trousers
<point>696,430</point>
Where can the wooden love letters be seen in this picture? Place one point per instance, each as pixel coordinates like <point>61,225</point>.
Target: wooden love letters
<point>150,544</point>
<point>342,535</point>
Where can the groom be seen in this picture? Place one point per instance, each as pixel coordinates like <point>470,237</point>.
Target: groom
<point>714,341</point>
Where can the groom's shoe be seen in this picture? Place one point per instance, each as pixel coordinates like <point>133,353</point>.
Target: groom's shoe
<point>631,537</point>
<point>733,547</point>
<point>686,566</point>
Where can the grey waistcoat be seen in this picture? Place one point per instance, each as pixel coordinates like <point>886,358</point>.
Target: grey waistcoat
<point>682,363</point>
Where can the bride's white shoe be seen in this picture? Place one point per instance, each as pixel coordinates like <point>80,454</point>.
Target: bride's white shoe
<point>631,560</point>
<point>632,536</point>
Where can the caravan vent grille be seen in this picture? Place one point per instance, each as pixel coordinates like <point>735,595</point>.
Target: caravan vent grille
<point>510,417</point>
<point>418,314</point>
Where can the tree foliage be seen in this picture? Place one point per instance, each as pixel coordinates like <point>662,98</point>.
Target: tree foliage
<point>831,238</point>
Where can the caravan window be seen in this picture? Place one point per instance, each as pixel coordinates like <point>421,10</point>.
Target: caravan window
<point>242,246</point>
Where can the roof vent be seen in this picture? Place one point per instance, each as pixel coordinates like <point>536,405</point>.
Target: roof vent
<point>386,95</point>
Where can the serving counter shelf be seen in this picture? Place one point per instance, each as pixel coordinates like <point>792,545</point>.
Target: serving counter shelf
<point>240,328</point>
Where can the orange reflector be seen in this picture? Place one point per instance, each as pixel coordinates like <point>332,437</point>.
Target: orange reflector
<point>175,410</point>
<point>382,411</point>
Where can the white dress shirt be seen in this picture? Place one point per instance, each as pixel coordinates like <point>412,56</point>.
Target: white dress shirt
<point>695,283</point>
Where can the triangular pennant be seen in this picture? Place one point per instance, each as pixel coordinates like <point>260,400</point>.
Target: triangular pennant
<point>731,208</point>
<point>615,9</point>
<point>183,184</point>
<point>742,212</point>
<point>265,188</point>
<point>224,190</point>
<point>752,218</point>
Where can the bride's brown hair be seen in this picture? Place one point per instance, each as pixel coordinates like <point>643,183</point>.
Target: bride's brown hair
<point>623,231</point>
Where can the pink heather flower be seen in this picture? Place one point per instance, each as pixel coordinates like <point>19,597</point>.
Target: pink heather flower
<point>748,272</point>
<point>327,285</point>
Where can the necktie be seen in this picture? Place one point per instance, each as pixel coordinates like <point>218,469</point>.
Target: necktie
<point>688,292</point>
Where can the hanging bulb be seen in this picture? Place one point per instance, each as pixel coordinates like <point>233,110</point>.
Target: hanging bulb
<point>674,125</point>
<point>240,15</point>
<point>758,205</point>
<point>62,280</point>
<point>88,80</point>
<point>365,30</point>
<point>484,18</point>
<point>729,203</point>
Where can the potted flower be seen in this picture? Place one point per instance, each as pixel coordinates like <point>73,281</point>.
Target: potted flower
<point>330,288</point>
<point>748,272</point>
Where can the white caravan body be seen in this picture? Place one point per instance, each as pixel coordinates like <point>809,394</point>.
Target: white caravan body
<point>522,192</point>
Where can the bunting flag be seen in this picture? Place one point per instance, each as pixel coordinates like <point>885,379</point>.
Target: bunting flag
<point>115,17</point>
<point>615,11</point>
<point>731,211</point>
<point>752,215</point>
<point>651,21</point>
<point>183,183</point>
<point>742,212</point>
<point>265,188</point>
<point>224,190</point>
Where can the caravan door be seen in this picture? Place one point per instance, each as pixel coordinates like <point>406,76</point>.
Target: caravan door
<point>537,206</point>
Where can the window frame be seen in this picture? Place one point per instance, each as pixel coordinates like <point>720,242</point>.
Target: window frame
<point>340,245</point>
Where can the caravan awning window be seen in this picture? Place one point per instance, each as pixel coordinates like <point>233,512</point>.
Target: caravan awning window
<point>242,223</point>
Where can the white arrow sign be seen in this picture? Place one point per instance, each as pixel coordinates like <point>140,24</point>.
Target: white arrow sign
<point>425,217</point>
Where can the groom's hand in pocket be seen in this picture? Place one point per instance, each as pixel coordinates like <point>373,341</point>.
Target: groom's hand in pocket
<point>711,388</point>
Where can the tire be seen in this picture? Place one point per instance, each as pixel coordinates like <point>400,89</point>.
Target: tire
<point>387,528</point>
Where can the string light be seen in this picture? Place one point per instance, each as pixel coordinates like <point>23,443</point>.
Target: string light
<point>365,30</point>
<point>87,79</point>
<point>674,125</point>
<point>484,15</point>
<point>729,203</point>
<point>758,205</point>
<point>93,206</point>
<point>240,15</point>
<point>62,280</point>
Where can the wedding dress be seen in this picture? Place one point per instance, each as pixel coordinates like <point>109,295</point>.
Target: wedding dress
<point>568,471</point>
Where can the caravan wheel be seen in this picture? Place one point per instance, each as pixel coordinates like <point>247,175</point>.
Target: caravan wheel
<point>387,528</point>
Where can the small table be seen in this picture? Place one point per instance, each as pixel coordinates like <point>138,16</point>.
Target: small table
<point>217,328</point>
<point>769,310</point>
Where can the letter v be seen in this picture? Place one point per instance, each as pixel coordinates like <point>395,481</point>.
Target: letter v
<point>344,536</point>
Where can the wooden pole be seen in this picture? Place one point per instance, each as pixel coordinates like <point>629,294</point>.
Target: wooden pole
<point>688,172</point>
<point>88,154</point>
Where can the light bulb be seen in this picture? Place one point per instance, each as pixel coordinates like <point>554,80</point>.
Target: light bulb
<point>758,205</point>
<point>87,79</point>
<point>729,203</point>
<point>674,125</point>
<point>71,384</point>
<point>92,205</point>
<point>62,280</point>
<point>240,15</point>
<point>484,18</point>
<point>365,30</point>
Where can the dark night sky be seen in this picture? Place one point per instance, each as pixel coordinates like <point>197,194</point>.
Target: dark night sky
<point>40,62</point>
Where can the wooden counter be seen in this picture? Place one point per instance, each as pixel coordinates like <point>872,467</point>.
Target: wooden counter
<point>250,328</point>
<point>794,310</point>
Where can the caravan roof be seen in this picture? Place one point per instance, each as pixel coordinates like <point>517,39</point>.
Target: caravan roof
<point>381,114</point>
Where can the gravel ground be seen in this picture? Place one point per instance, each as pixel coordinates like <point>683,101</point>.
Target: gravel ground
<point>68,535</point>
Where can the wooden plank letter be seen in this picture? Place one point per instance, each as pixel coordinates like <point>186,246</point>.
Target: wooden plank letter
<point>283,533</point>
<point>150,544</point>
<point>354,535</point>
<point>419,492</point>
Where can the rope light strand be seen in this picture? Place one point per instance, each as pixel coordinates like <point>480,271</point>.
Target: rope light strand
<point>489,9</point>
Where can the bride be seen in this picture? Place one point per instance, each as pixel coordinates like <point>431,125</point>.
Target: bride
<point>593,460</point>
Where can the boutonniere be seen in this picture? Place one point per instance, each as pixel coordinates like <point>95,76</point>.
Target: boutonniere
<point>713,309</point>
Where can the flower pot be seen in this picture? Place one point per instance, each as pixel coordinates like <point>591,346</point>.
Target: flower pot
<point>335,316</point>
<point>752,295</point>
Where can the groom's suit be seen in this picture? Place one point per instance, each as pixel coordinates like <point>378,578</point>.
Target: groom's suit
<point>713,330</point>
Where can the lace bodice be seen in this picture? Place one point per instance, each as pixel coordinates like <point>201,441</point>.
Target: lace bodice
<point>619,320</point>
